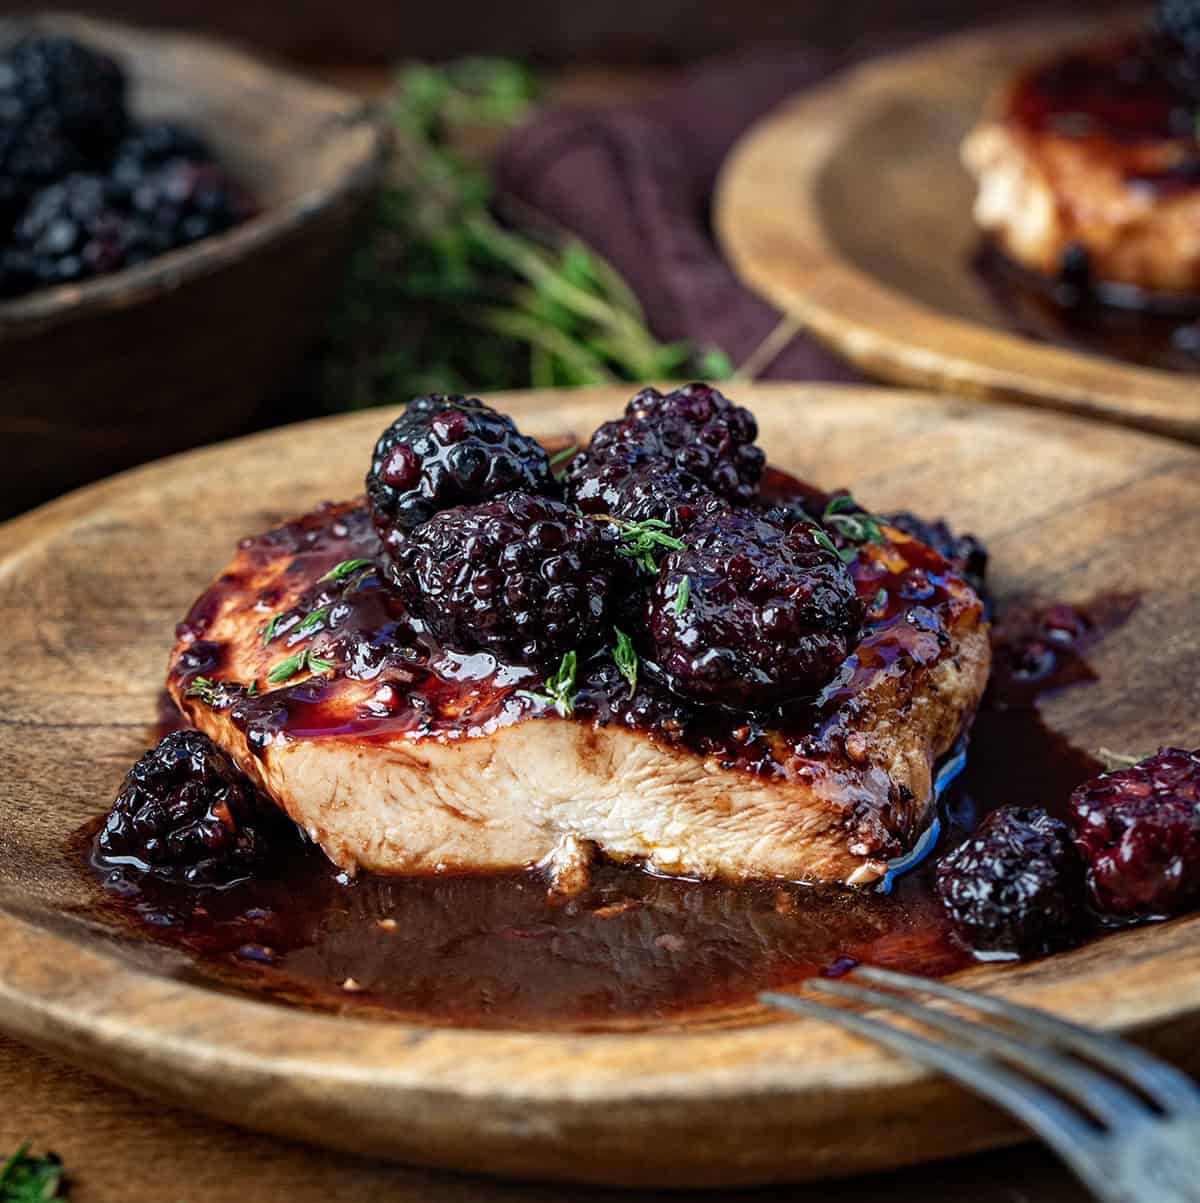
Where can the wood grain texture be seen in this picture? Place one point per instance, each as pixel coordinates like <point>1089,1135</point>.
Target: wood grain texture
<point>91,585</point>
<point>849,209</point>
<point>183,349</point>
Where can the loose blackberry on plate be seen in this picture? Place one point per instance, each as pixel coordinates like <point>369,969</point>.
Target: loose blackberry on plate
<point>446,451</point>
<point>522,576</point>
<point>1139,831</point>
<point>1015,885</point>
<point>749,615</point>
<point>184,809</point>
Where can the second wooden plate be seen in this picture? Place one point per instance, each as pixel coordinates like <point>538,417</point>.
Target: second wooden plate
<point>849,209</point>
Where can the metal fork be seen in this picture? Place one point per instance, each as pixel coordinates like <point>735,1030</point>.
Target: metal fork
<point>1126,1123</point>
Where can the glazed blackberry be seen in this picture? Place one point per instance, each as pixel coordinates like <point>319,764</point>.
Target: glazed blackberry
<point>694,431</point>
<point>1015,885</point>
<point>1139,832</point>
<point>748,615</point>
<point>152,145</point>
<point>965,552</point>
<point>447,451</point>
<point>646,491</point>
<point>184,810</point>
<point>62,109</point>
<point>523,577</point>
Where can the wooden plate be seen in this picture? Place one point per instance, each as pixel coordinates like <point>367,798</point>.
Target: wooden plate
<point>849,209</point>
<point>91,585</point>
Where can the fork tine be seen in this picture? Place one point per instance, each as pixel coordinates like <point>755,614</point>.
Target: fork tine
<point>1165,1086</point>
<point>1074,1139</point>
<point>1082,1086</point>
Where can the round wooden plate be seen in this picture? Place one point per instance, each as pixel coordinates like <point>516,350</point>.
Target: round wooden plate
<point>91,585</point>
<point>849,209</point>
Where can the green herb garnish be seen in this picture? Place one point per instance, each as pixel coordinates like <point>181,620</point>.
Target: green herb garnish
<point>639,541</point>
<point>626,659</point>
<point>298,662</point>
<point>563,457</point>
<point>270,630</point>
<point>452,289</point>
<point>560,688</point>
<point>339,572</point>
<point>25,1179</point>
<point>1116,760</point>
<point>821,539</point>
<point>682,594</point>
<point>881,600</point>
<point>217,693</point>
<point>856,527</point>
<point>312,621</point>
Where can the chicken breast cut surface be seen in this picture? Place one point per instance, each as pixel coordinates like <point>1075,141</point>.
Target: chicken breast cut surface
<point>402,760</point>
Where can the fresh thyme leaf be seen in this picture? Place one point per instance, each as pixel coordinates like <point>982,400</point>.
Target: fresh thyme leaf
<point>564,455</point>
<point>857,526</point>
<point>626,659</point>
<point>560,688</point>
<point>252,689</point>
<point>639,541</point>
<point>1116,760</point>
<point>288,668</point>
<point>268,632</point>
<point>25,1179</point>
<point>682,595</point>
<point>317,664</point>
<point>881,600</point>
<point>339,572</point>
<point>821,539</point>
<point>312,621</point>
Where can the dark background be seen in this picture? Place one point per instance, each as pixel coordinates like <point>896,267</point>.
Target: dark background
<point>376,31</point>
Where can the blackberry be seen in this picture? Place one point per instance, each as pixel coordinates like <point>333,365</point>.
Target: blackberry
<point>152,145</point>
<point>521,576</point>
<point>1139,831</point>
<point>694,431</point>
<point>184,810</point>
<point>184,202</point>
<point>965,552</point>
<point>446,451</point>
<point>645,491</point>
<point>749,615</point>
<point>72,230</point>
<point>62,109</point>
<point>1015,885</point>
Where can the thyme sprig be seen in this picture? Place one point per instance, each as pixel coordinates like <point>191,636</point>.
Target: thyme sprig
<point>561,459</point>
<point>638,541</point>
<point>298,662</point>
<point>560,688</point>
<point>683,594</point>
<point>626,659</point>
<point>25,1179</point>
<point>347,568</point>
<point>218,693</point>
<point>312,621</point>
<point>851,521</point>
<point>1116,760</point>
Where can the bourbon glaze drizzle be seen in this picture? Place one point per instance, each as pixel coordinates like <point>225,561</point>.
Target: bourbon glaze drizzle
<point>633,950</point>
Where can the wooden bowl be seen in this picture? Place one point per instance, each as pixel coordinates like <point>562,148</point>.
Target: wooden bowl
<point>848,208</point>
<point>184,349</point>
<point>92,585</point>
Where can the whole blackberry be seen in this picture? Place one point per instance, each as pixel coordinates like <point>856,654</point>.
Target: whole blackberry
<point>748,615</point>
<point>72,230</point>
<point>62,109</point>
<point>965,552</point>
<point>646,491</point>
<point>693,431</point>
<point>183,810</point>
<point>153,144</point>
<point>521,576</point>
<point>446,451</point>
<point>184,202</point>
<point>1015,884</point>
<point>1139,832</point>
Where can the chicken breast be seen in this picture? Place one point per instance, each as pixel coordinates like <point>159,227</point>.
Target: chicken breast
<point>302,664</point>
<point>1082,153</point>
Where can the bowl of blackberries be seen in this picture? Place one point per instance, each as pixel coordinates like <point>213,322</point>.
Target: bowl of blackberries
<point>173,217</point>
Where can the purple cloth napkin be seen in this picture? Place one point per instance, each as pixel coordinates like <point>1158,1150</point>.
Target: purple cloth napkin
<point>635,183</point>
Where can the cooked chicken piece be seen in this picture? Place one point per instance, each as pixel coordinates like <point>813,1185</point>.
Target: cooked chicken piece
<point>396,763</point>
<point>1064,164</point>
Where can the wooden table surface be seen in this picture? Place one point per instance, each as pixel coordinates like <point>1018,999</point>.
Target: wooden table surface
<point>120,1148</point>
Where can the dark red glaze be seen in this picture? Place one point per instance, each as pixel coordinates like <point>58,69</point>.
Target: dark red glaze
<point>633,949</point>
